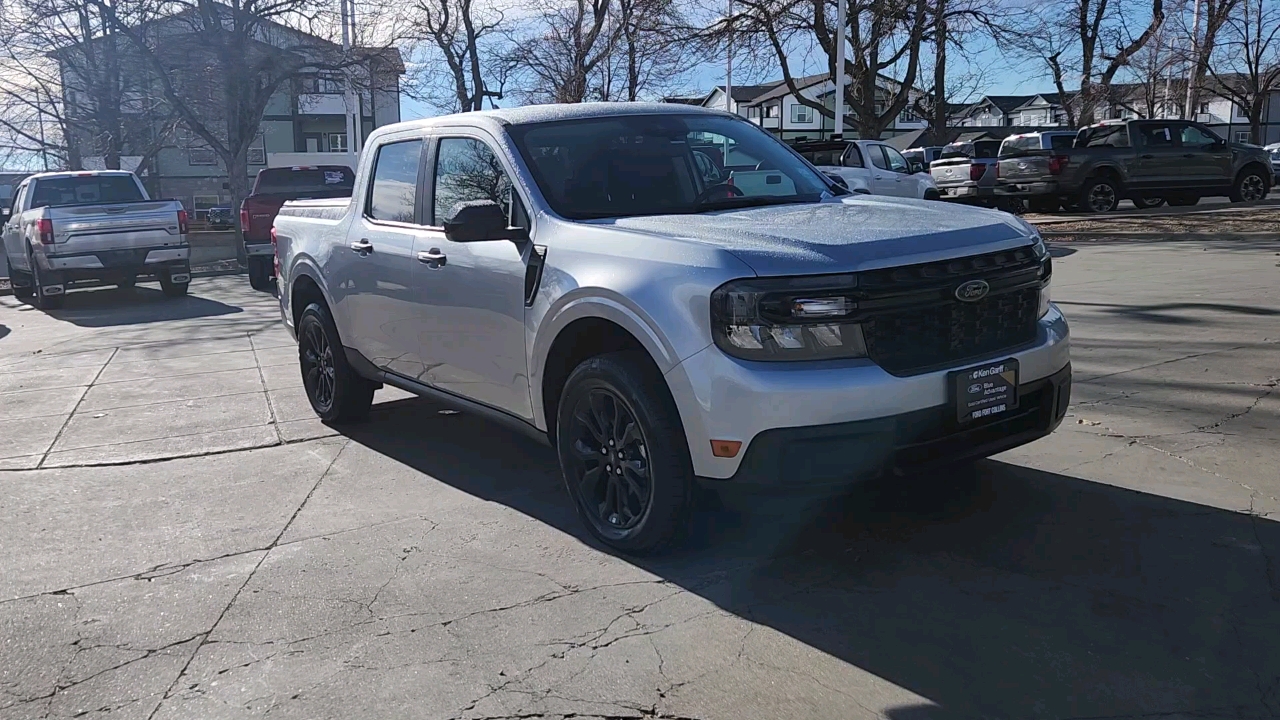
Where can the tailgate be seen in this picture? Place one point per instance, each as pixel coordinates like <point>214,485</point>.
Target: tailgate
<point>89,228</point>
<point>1030,167</point>
<point>952,171</point>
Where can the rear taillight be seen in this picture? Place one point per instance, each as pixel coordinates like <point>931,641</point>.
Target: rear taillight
<point>976,171</point>
<point>275,250</point>
<point>244,218</point>
<point>1057,163</point>
<point>45,228</point>
<point>997,171</point>
<point>183,225</point>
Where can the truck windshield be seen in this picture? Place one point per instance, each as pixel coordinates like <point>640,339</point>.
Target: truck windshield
<point>624,166</point>
<point>85,190</point>
<point>300,183</point>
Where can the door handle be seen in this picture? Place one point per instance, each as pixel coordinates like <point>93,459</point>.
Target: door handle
<point>1146,156</point>
<point>433,258</point>
<point>362,245</point>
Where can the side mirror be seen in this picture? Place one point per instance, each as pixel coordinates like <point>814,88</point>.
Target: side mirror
<point>477,221</point>
<point>917,167</point>
<point>838,180</point>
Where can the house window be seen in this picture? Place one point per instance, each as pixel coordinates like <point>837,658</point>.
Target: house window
<point>771,111</point>
<point>1243,136</point>
<point>908,116</point>
<point>1238,110</point>
<point>257,156</point>
<point>337,142</point>
<point>753,111</point>
<point>1204,108</point>
<point>326,84</point>
<point>202,203</point>
<point>201,156</point>
<point>801,114</point>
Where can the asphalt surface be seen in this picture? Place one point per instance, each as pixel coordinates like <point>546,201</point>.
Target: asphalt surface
<point>179,538</point>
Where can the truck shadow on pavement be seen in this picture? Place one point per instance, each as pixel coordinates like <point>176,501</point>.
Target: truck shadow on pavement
<point>1021,594</point>
<point>111,307</point>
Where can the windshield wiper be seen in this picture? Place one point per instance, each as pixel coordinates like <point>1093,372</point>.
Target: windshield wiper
<point>734,203</point>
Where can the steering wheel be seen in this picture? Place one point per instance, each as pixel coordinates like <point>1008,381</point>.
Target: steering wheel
<point>724,187</point>
<point>763,165</point>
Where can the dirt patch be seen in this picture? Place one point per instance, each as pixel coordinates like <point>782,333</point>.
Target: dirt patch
<point>1259,220</point>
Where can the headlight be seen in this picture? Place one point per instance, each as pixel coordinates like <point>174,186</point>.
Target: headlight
<point>807,318</point>
<point>1044,297</point>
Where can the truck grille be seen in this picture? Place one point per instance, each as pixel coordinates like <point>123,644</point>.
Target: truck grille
<point>913,322</point>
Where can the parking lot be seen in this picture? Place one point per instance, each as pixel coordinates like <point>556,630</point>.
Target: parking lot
<point>180,538</point>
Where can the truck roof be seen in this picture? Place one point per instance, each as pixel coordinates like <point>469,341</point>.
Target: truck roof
<point>77,173</point>
<point>496,119</point>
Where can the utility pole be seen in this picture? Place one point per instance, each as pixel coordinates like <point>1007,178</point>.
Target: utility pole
<point>728,62</point>
<point>351,106</point>
<point>841,20</point>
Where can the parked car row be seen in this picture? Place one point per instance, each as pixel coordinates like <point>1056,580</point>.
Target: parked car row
<point>675,301</point>
<point>1147,161</point>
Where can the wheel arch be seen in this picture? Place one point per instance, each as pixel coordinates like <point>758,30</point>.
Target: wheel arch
<point>583,328</point>
<point>1268,176</point>
<point>304,288</point>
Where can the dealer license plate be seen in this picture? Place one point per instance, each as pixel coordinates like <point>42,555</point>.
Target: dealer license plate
<point>986,391</point>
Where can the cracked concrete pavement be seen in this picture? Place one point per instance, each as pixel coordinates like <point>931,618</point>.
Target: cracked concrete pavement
<point>180,539</point>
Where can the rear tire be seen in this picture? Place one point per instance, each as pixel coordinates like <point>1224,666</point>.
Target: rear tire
<point>932,194</point>
<point>1099,195</point>
<point>336,392</point>
<point>260,273</point>
<point>623,453</point>
<point>1250,187</point>
<point>1043,205</point>
<point>1147,203</point>
<point>171,288</point>
<point>21,292</point>
<point>38,298</point>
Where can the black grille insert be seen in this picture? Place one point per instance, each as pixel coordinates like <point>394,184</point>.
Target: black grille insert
<point>914,323</point>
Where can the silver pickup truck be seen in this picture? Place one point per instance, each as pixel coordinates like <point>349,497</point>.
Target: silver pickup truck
<point>98,226</point>
<point>569,272</point>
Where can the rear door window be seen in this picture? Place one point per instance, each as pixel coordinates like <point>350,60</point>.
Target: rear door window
<point>393,194</point>
<point>85,190</point>
<point>1062,142</point>
<point>854,157</point>
<point>1156,135</point>
<point>302,183</point>
<point>877,157</point>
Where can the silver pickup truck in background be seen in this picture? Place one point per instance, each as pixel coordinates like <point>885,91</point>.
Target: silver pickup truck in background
<point>73,227</point>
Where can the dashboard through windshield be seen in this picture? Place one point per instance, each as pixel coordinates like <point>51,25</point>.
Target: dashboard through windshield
<point>630,165</point>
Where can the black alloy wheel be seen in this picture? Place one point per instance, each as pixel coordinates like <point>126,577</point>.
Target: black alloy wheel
<point>611,461</point>
<point>337,393</point>
<point>623,453</point>
<point>38,296</point>
<point>318,369</point>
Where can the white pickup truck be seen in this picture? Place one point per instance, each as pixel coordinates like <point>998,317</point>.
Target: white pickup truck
<point>98,226</point>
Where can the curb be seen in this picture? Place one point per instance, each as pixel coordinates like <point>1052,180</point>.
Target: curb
<point>1086,235</point>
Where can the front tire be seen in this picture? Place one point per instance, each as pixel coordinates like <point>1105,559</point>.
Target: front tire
<point>1099,195</point>
<point>260,273</point>
<point>336,392</point>
<point>1250,187</point>
<point>623,453</point>
<point>22,292</point>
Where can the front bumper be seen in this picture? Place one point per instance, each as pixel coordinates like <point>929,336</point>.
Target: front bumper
<point>781,404</point>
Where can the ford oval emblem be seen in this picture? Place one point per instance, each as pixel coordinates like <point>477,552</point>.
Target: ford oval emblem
<point>975,389</point>
<point>972,291</point>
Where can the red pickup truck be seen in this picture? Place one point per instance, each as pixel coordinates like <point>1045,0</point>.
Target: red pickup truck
<point>273,188</point>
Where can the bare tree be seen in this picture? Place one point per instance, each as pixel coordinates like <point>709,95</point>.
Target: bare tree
<point>66,89</point>
<point>1246,65</point>
<point>885,40</point>
<point>562,48</point>
<point>217,64</point>
<point>1198,46</point>
<point>1091,40</point>
<point>459,32</point>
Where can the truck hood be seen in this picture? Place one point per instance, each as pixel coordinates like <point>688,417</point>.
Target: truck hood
<point>842,235</point>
